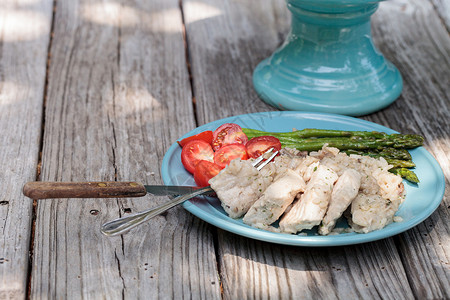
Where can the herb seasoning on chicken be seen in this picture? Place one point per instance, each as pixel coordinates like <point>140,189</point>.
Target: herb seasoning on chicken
<point>300,191</point>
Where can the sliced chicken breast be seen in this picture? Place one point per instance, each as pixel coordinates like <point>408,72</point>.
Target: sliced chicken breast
<point>307,167</point>
<point>239,185</point>
<point>371,212</point>
<point>311,207</point>
<point>344,191</point>
<point>274,201</point>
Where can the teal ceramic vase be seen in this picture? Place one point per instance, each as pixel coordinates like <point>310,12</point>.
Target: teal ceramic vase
<point>328,62</point>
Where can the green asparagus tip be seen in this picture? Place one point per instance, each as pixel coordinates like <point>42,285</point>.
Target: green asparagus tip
<point>406,174</point>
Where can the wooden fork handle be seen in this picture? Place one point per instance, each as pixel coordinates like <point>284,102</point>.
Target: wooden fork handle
<point>103,189</point>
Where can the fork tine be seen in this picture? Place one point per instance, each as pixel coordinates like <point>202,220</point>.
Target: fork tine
<point>261,157</point>
<point>257,160</point>
<point>267,161</point>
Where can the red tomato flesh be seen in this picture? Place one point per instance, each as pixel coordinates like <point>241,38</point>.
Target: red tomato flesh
<point>204,171</point>
<point>259,145</point>
<point>228,133</point>
<point>195,151</point>
<point>206,136</point>
<point>227,153</point>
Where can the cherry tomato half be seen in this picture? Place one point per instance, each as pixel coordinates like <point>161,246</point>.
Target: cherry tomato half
<point>206,136</point>
<point>227,153</point>
<point>228,133</point>
<point>195,151</point>
<point>204,171</point>
<point>258,145</point>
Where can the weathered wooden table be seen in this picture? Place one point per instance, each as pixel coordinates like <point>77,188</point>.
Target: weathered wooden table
<point>98,90</point>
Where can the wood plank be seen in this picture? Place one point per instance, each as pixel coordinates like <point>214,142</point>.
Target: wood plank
<point>422,56</point>
<point>442,8</point>
<point>226,41</point>
<point>253,269</point>
<point>247,33</point>
<point>24,38</point>
<point>119,96</point>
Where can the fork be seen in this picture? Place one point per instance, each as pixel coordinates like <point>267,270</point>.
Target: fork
<point>121,225</point>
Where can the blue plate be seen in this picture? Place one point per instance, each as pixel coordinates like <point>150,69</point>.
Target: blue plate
<point>421,200</point>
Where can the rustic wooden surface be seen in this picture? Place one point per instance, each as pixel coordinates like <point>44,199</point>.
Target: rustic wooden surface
<point>24,38</point>
<point>98,91</point>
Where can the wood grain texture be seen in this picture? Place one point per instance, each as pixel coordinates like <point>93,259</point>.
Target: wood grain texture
<point>119,93</point>
<point>24,38</point>
<point>99,189</point>
<point>381,269</point>
<point>118,96</point>
<point>422,56</point>
<point>442,8</point>
<point>255,270</point>
<point>226,40</point>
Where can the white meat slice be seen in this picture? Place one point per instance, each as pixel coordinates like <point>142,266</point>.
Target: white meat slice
<point>239,185</point>
<point>372,212</point>
<point>276,198</point>
<point>307,167</point>
<point>391,187</point>
<point>325,152</point>
<point>310,209</point>
<point>344,191</point>
<point>287,160</point>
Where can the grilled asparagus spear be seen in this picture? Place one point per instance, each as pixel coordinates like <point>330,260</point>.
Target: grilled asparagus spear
<point>392,147</point>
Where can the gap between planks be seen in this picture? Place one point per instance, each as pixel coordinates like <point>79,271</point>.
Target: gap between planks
<point>194,109</point>
<point>188,62</point>
<point>39,164</point>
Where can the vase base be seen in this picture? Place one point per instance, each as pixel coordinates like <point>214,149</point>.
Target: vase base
<point>289,89</point>
<point>328,62</point>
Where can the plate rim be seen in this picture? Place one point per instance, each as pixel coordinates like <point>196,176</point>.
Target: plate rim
<point>230,225</point>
